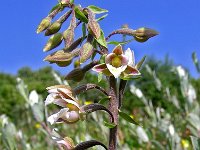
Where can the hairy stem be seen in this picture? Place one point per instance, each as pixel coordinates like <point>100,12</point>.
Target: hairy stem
<point>89,86</point>
<point>113,107</point>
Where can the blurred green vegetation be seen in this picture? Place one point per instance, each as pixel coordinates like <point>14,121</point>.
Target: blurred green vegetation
<point>157,77</point>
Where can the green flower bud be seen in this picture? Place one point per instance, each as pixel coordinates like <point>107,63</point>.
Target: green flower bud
<point>61,58</point>
<point>54,41</point>
<point>93,25</point>
<point>143,34</point>
<point>68,36</point>
<point>53,28</point>
<point>86,52</point>
<point>44,24</point>
<point>76,75</point>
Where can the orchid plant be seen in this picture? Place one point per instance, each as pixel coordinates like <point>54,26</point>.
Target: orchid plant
<point>118,67</point>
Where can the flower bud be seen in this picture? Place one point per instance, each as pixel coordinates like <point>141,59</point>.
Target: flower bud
<point>68,36</point>
<point>44,24</point>
<point>53,28</point>
<point>93,25</point>
<point>86,52</point>
<point>143,34</point>
<point>54,41</point>
<point>61,58</point>
<point>76,75</point>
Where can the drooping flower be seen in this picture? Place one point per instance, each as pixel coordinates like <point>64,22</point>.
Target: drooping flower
<point>61,95</point>
<point>66,143</point>
<point>119,64</point>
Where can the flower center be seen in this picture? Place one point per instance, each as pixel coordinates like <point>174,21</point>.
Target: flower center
<point>116,62</point>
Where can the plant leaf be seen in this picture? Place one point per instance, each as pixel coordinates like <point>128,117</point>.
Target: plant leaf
<point>139,64</point>
<point>100,76</point>
<point>195,142</point>
<point>101,40</point>
<point>84,30</point>
<point>55,7</point>
<point>97,10</point>
<point>121,43</point>
<point>80,15</point>
<point>103,100</point>
<point>102,17</point>
<point>109,125</point>
<point>127,118</point>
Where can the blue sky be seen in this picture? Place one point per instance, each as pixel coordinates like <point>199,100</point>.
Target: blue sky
<point>178,22</point>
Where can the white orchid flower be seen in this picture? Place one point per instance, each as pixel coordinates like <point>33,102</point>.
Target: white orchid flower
<point>118,64</point>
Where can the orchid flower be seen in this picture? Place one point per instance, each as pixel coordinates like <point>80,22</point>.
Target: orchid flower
<point>62,95</point>
<point>118,64</point>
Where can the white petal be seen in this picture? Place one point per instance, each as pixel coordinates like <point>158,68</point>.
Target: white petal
<point>130,55</point>
<point>54,118</point>
<point>50,98</point>
<point>116,71</point>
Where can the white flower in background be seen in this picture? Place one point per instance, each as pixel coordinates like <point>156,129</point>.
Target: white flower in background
<point>181,71</point>
<point>118,64</point>
<point>142,134</point>
<point>4,120</point>
<point>62,95</point>
<point>191,93</point>
<point>33,98</point>
<point>171,130</point>
<point>136,91</point>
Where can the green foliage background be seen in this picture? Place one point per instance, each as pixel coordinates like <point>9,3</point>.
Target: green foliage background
<point>12,103</point>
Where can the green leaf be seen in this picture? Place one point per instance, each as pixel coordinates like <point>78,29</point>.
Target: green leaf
<point>84,30</point>
<point>103,100</point>
<point>109,125</point>
<point>139,64</point>
<point>38,112</point>
<point>80,15</point>
<point>100,76</point>
<point>55,7</point>
<point>96,9</point>
<point>102,17</point>
<point>121,43</point>
<point>101,40</point>
<point>71,1</point>
<point>102,59</point>
<point>195,61</point>
<point>8,136</point>
<point>131,77</point>
<point>128,118</point>
<point>195,142</point>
